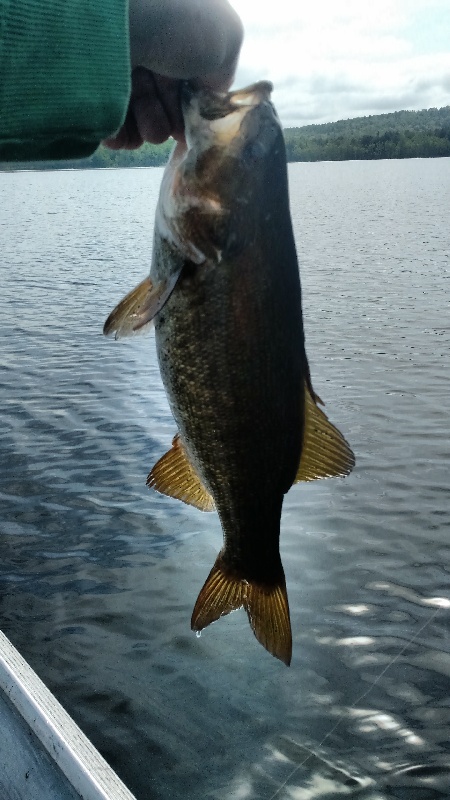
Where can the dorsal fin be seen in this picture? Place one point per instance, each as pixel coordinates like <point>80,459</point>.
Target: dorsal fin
<point>325,452</point>
<point>174,475</point>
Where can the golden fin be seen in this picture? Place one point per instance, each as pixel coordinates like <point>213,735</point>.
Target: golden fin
<point>174,476</point>
<point>267,608</point>
<point>268,612</point>
<point>221,594</point>
<point>325,452</point>
<point>139,307</point>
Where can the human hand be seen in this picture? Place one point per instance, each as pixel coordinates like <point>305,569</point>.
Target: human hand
<point>171,41</point>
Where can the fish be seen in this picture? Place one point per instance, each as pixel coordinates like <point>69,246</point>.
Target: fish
<point>224,295</point>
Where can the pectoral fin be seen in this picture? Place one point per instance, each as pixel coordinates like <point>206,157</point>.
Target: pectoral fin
<point>325,452</point>
<point>174,475</point>
<point>140,306</point>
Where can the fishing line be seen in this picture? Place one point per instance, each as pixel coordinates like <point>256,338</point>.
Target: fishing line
<point>358,700</point>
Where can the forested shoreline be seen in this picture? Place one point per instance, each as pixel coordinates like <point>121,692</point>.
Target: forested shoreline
<point>400,134</point>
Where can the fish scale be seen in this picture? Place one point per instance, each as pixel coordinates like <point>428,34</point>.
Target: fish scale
<point>224,292</point>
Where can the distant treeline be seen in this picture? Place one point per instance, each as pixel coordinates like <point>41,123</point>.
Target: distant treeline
<point>149,155</point>
<point>402,134</point>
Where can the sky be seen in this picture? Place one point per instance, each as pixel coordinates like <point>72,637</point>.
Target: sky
<point>348,58</point>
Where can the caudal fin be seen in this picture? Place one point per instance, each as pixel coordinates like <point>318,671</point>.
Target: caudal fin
<point>267,608</point>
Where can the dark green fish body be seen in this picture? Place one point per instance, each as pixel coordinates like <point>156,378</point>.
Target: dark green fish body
<point>231,353</point>
<point>230,343</point>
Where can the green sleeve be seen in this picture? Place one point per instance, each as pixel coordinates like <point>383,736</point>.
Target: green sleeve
<point>64,76</point>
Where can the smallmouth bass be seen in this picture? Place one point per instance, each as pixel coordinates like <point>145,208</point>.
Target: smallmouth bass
<point>224,294</point>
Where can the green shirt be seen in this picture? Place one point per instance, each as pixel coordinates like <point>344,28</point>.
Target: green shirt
<point>64,76</point>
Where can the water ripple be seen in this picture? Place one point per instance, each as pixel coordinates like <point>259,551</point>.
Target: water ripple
<point>98,575</point>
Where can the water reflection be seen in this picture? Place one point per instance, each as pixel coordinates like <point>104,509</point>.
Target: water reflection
<point>98,576</point>
<point>293,770</point>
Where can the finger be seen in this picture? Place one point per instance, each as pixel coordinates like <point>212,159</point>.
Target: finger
<point>152,120</point>
<point>154,112</point>
<point>127,137</point>
<point>218,81</point>
<point>168,91</point>
<point>186,38</point>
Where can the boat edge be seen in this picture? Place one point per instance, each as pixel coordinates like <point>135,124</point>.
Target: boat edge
<point>84,767</point>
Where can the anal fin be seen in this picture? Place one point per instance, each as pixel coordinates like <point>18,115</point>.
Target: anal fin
<point>267,608</point>
<point>174,476</point>
<point>325,451</point>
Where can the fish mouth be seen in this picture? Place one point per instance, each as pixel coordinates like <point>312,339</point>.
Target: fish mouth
<point>217,117</point>
<point>252,95</point>
<point>211,105</point>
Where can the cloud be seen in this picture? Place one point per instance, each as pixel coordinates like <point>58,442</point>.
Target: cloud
<point>337,60</point>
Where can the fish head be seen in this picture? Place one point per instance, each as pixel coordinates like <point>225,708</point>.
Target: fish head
<point>213,184</point>
<point>216,119</point>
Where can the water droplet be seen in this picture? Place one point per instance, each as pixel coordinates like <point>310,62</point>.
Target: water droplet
<point>198,634</point>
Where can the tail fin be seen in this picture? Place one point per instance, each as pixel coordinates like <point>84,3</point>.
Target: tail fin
<point>267,608</point>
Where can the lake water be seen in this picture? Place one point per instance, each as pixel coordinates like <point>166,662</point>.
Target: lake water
<point>98,575</point>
